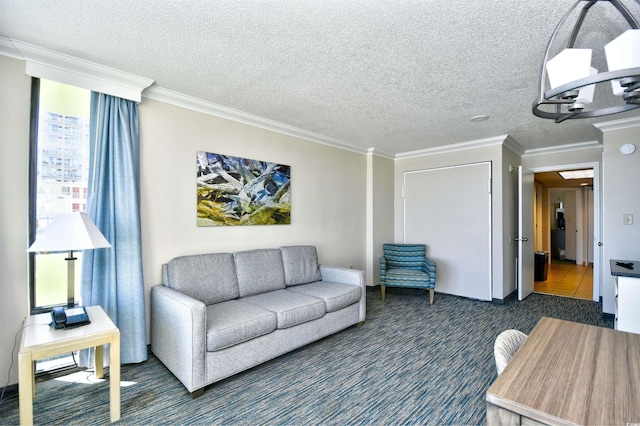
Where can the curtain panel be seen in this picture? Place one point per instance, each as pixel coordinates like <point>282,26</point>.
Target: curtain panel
<point>113,277</point>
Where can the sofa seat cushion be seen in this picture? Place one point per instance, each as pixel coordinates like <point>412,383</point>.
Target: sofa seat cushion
<point>300,264</point>
<point>259,271</point>
<point>232,322</point>
<point>290,308</point>
<point>336,296</point>
<point>407,278</point>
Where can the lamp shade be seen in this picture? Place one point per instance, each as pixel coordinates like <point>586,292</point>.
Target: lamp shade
<point>623,52</point>
<point>570,65</point>
<point>70,231</point>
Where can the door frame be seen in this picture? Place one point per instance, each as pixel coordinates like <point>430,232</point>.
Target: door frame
<point>597,216</point>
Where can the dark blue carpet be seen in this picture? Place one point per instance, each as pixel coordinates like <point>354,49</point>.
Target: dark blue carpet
<point>411,363</point>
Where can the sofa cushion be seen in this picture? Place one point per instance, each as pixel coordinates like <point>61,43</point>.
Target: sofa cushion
<point>290,308</point>
<point>209,278</point>
<point>300,264</point>
<point>233,322</point>
<point>259,271</point>
<point>336,296</point>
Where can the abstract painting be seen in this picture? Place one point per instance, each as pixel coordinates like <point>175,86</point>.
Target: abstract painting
<point>238,191</point>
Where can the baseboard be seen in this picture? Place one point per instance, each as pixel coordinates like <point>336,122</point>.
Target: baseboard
<point>510,296</point>
<point>10,391</point>
<point>606,316</point>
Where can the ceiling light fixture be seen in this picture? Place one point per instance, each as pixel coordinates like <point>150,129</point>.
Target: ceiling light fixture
<point>479,118</point>
<point>572,79</point>
<point>577,174</point>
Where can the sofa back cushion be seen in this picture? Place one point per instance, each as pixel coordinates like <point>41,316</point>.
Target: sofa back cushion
<point>209,278</point>
<point>300,265</point>
<point>259,271</point>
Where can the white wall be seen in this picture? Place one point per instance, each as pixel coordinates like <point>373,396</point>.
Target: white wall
<point>379,213</point>
<point>621,195</point>
<point>328,190</point>
<point>15,89</point>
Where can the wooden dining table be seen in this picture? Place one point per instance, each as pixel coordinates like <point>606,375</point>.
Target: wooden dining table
<point>568,373</point>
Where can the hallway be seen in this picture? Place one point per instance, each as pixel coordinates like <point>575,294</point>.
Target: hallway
<point>567,279</point>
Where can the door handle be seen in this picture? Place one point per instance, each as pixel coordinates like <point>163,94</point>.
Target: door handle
<point>522,239</point>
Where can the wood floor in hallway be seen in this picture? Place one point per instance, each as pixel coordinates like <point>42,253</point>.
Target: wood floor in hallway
<point>567,279</point>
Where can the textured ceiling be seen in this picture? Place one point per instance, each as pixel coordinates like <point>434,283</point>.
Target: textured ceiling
<point>397,76</point>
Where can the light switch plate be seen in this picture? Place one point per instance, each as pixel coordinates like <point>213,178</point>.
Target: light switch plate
<point>627,219</point>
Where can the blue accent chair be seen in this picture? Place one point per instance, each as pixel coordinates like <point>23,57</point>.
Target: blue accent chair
<point>406,265</point>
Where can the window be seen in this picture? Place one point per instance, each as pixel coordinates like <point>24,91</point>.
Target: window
<point>59,174</point>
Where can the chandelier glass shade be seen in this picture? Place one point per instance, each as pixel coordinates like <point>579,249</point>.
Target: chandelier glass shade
<point>567,81</point>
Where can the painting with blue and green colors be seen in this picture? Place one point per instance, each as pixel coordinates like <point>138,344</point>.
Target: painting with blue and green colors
<point>236,191</point>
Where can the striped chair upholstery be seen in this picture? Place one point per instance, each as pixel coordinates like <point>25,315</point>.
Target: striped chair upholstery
<point>406,265</point>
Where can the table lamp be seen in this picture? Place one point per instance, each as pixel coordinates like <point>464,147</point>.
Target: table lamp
<point>69,232</point>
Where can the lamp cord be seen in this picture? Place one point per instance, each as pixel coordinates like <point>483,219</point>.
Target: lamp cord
<point>15,344</point>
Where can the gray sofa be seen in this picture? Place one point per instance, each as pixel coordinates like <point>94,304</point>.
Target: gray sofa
<point>218,314</point>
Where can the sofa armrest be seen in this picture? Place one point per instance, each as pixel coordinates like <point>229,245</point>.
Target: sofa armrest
<point>178,335</point>
<point>335,274</point>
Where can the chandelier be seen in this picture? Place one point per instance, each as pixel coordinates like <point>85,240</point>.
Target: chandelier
<point>572,79</point>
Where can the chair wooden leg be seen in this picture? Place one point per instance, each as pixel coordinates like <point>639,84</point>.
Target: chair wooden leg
<point>383,291</point>
<point>431,291</point>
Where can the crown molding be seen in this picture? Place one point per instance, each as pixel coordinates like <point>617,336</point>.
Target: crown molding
<point>7,49</point>
<point>376,152</point>
<point>478,143</point>
<point>624,123</point>
<point>514,146</point>
<point>189,102</point>
<point>563,148</point>
<point>50,65</point>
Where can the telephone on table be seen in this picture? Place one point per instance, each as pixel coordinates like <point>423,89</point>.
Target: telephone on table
<point>69,317</point>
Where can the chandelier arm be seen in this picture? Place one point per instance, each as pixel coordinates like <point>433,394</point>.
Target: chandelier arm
<point>543,71</point>
<point>589,114</point>
<point>578,25</point>
<point>633,23</point>
<point>564,117</point>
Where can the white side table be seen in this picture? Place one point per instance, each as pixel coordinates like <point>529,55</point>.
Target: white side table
<point>39,340</point>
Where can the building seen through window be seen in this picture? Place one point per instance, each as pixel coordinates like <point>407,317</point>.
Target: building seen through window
<point>62,167</point>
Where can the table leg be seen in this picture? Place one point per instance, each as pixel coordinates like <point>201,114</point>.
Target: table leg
<point>99,361</point>
<point>114,378</point>
<point>26,388</point>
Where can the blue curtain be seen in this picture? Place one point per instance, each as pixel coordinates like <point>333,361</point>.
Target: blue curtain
<point>112,278</point>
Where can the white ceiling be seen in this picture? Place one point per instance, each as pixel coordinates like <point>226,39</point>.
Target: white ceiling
<point>397,76</point>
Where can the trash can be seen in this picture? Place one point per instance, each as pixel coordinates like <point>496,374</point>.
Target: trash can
<point>541,265</point>
<point>561,254</point>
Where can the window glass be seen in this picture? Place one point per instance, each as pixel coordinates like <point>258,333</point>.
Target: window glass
<point>62,166</point>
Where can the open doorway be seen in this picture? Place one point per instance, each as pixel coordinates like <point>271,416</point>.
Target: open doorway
<point>565,225</point>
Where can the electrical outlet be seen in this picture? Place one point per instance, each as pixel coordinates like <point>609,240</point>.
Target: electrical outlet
<point>627,219</point>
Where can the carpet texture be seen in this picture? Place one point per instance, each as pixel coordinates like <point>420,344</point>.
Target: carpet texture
<point>410,363</point>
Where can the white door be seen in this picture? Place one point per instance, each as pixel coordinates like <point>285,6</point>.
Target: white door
<point>526,257</point>
<point>449,210</point>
